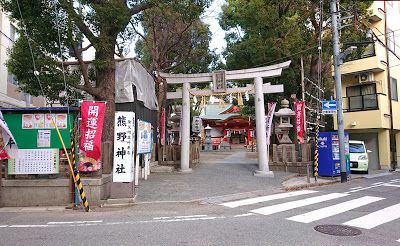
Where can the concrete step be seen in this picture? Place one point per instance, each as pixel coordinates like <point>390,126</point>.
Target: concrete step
<point>161,169</point>
<point>119,202</point>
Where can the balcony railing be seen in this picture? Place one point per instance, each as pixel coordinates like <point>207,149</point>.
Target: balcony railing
<point>361,103</point>
<point>364,50</point>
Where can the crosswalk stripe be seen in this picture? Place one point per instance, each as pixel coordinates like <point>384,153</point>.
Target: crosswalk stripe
<point>296,204</point>
<point>376,218</point>
<point>335,209</point>
<point>255,200</point>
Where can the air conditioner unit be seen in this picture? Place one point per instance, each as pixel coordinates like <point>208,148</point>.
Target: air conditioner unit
<point>366,77</point>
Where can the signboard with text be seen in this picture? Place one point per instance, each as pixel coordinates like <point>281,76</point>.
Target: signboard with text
<point>124,139</point>
<point>299,109</point>
<point>144,137</point>
<point>92,114</point>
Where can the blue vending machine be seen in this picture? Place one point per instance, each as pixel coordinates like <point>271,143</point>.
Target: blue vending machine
<point>328,152</point>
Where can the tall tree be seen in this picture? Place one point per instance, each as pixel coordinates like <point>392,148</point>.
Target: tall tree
<point>174,40</point>
<point>47,27</point>
<point>50,30</point>
<point>265,32</point>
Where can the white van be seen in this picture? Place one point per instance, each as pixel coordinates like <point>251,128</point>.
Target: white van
<point>358,156</point>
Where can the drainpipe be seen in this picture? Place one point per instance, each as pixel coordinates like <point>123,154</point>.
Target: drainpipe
<point>393,161</point>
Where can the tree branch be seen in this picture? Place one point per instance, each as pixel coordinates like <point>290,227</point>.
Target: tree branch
<point>91,90</point>
<point>69,8</point>
<point>139,8</point>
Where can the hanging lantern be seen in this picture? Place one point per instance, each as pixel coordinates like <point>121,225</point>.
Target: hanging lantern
<point>195,100</point>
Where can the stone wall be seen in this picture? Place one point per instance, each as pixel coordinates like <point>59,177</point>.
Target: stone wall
<point>285,157</point>
<point>51,192</point>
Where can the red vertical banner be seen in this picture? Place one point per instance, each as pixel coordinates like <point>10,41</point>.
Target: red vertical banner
<point>92,114</point>
<point>299,109</point>
<point>162,129</point>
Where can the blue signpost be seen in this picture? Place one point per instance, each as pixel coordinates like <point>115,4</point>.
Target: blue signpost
<point>329,107</point>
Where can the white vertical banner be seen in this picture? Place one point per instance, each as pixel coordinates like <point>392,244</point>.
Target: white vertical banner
<point>268,120</point>
<point>124,139</point>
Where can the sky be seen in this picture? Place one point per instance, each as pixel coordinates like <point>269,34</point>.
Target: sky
<point>210,17</point>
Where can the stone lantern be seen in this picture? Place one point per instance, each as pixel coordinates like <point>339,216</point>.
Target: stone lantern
<point>208,141</point>
<point>283,128</point>
<point>175,125</point>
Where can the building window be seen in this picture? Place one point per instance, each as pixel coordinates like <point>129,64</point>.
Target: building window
<point>395,96</point>
<point>362,97</point>
<point>391,41</point>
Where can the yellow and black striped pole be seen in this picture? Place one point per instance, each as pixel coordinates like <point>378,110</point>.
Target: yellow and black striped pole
<point>316,150</point>
<point>80,187</point>
<point>78,183</point>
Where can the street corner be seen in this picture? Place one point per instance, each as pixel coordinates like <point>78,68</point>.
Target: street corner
<point>298,182</point>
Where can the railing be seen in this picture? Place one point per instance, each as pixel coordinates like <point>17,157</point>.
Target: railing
<point>364,50</point>
<point>172,154</point>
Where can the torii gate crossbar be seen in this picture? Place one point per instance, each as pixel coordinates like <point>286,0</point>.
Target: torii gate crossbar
<point>257,74</point>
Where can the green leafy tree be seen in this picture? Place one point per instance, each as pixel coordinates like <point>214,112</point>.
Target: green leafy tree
<point>174,40</point>
<point>49,29</point>
<point>267,32</point>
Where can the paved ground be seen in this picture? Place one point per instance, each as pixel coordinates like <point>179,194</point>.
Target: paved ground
<point>218,174</point>
<point>224,174</point>
<point>219,177</point>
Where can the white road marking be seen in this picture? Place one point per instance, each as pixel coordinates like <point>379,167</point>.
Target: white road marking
<point>353,188</point>
<point>377,183</point>
<point>376,218</point>
<point>255,200</point>
<point>188,219</point>
<point>391,185</point>
<point>398,240</point>
<point>161,218</point>
<point>58,224</point>
<point>73,222</point>
<point>27,226</point>
<point>190,216</point>
<point>243,215</point>
<point>335,209</point>
<point>296,204</point>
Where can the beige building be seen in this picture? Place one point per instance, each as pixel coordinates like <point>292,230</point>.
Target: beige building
<point>371,88</point>
<point>10,96</point>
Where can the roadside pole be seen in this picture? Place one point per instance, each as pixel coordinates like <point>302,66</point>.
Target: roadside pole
<point>337,60</point>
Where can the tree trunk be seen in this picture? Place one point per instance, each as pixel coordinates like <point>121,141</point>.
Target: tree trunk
<point>105,81</point>
<point>161,98</point>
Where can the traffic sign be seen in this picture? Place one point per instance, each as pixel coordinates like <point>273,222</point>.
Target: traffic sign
<point>329,105</point>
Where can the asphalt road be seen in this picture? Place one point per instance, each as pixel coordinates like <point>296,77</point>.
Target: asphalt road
<point>368,205</point>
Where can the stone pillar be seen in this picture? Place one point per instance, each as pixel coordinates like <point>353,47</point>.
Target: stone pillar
<point>262,148</point>
<point>185,129</point>
<point>384,149</point>
<point>398,148</point>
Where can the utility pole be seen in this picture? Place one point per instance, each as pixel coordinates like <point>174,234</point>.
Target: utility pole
<point>337,61</point>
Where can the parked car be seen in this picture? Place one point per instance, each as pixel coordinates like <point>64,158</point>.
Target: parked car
<point>358,156</point>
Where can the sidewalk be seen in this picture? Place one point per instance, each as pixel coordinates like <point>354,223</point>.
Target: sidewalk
<point>219,177</point>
